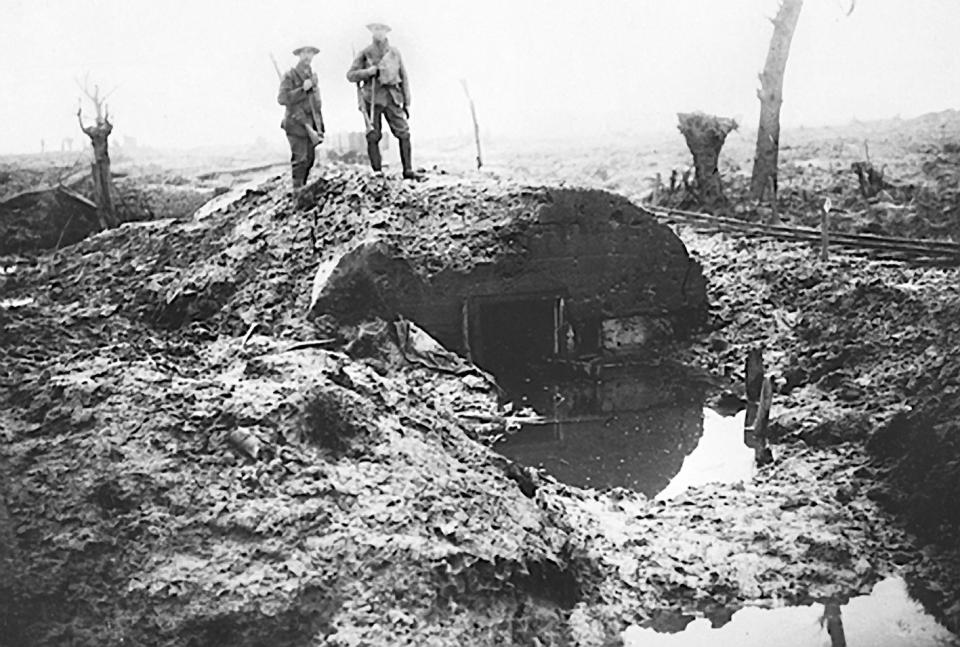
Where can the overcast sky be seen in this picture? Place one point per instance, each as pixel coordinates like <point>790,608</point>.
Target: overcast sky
<point>198,73</point>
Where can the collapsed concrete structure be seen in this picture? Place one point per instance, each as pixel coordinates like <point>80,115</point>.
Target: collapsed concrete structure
<point>44,219</point>
<point>502,273</point>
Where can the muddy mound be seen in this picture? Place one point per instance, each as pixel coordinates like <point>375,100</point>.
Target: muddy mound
<point>187,460</point>
<point>254,261</point>
<point>467,260</point>
<point>161,527</point>
<point>168,484</point>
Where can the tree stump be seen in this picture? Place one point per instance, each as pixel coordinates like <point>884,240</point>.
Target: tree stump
<point>99,133</point>
<point>705,135</point>
<point>870,179</point>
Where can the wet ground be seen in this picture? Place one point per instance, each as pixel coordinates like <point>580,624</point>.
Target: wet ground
<point>158,498</point>
<point>653,435</point>
<point>637,430</point>
<point>888,617</point>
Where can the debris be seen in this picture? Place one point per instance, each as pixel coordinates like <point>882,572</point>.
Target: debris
<point>246,442</point>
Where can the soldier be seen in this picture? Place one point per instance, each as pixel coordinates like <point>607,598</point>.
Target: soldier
<point>302,121</point>
<point>385,93</point>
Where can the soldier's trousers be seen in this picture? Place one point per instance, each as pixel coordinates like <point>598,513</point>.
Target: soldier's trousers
<point>302,156</point>
<point>398,126</point>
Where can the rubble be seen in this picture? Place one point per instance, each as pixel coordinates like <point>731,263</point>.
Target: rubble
<point>45,219</point>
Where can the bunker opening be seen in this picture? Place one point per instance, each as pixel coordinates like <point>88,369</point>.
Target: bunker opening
<point>507,334</point>
<point>599,419</point>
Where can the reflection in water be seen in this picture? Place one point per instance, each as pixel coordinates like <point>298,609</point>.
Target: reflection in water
<point>720,457</point>
<point>832,619</point>
<point>16,303</point>
<point>635,431</point>
<point>885,618</point>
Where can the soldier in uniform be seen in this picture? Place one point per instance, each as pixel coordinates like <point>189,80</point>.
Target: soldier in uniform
<point>302,120</point>
<point>385,92</point>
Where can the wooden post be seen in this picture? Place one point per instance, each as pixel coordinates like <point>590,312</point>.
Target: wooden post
<point>476,126</point>
<point>465,329</point>
<point>754,371</point>
<point>825,230</point>
<point>833,620</point>
<point>754,382</point>
<point>763,409</point>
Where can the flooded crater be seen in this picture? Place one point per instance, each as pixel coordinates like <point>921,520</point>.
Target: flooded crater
<point>634,428</point>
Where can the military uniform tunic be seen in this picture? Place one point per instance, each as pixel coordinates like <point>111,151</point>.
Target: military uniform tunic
<point>302,110</point>
<point>389,90</point>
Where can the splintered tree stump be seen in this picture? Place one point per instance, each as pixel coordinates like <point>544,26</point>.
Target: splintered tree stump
<point>100,171</point>
<point>99,134</point>
<point>870,179</point>
<point>705,135</point>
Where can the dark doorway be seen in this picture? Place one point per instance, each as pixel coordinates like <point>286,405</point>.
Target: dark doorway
<point>510,333</point>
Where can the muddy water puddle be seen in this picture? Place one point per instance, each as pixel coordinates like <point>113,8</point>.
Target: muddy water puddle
<point>654,435</point>
<point>638,431</point>
<point>888,617</point>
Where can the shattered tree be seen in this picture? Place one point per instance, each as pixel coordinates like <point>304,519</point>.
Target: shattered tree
<point>771,97</point>
<point>99,133</point>
<point>705,135</point>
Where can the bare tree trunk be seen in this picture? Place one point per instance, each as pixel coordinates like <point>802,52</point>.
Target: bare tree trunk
<point>771,97</point>
<point>102,181</point>
<point>705,135</point>
<point>99,133</point>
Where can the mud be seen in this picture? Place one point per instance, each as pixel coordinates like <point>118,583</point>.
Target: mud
<point>178,471</point>
<point>42,196</point>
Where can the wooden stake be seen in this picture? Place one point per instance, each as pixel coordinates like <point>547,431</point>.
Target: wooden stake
<point>763,410</point>
<point>754,370</point>
<point>825,230</point>
<point>246,337</point>
<point>476,126</point>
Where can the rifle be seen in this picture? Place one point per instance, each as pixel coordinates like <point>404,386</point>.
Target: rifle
<point>315,138</point>
<point>367,117</point>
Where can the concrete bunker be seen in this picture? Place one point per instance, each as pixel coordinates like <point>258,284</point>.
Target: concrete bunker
<point>514,274</point>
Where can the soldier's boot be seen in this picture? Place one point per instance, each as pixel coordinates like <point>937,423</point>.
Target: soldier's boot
<point>406,160</point>
<point>298,181</point>
<point>373,152</point>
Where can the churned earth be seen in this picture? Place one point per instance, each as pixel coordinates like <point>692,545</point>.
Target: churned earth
<point>179,467</point>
